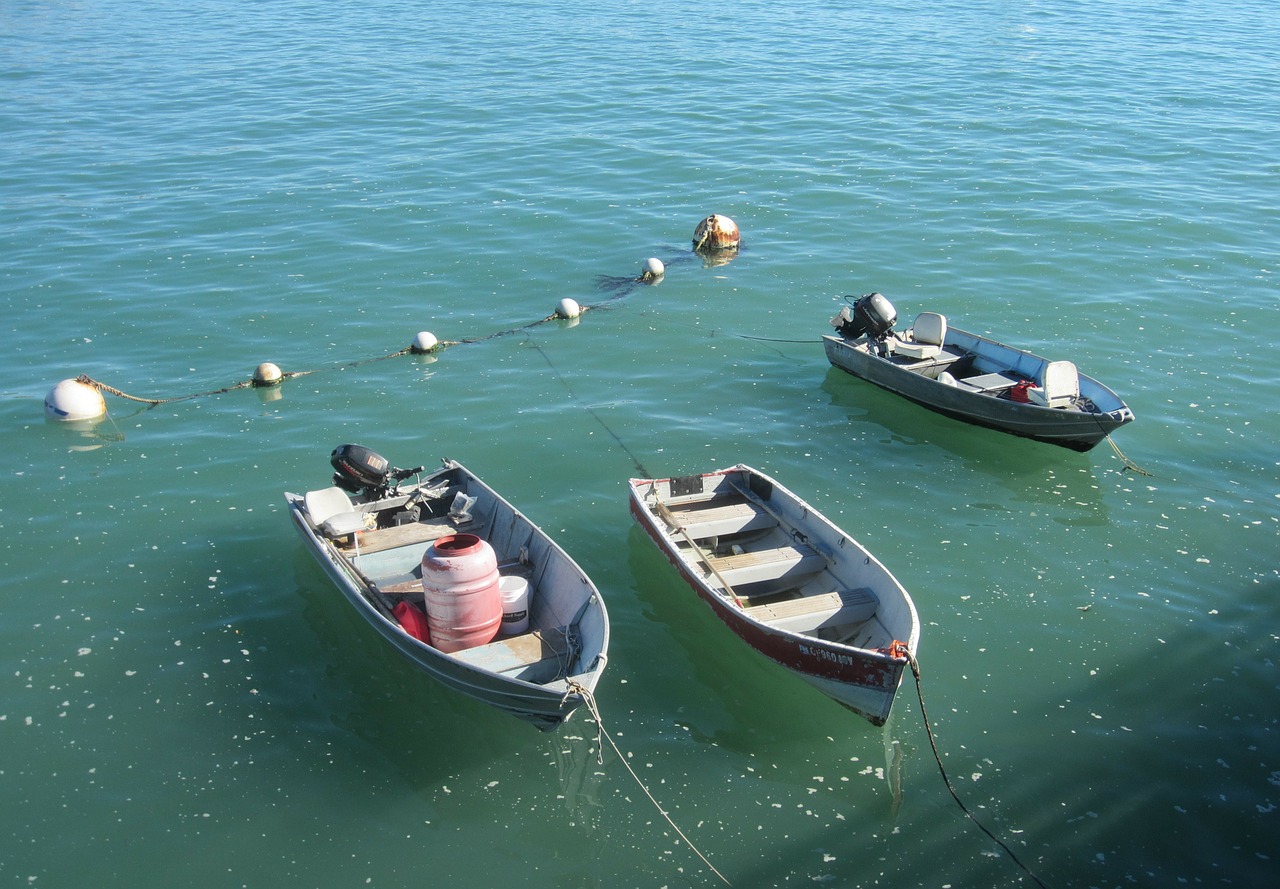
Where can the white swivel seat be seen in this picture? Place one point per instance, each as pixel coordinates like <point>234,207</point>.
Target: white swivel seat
<point>1060,386</point>
<point>928,333</point>
<point>331,512</point>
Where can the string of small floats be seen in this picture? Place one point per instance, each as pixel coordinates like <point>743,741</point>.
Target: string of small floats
<point>80,399</point>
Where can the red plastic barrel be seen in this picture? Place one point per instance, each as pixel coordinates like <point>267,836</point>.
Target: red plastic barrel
<point>460,580</point>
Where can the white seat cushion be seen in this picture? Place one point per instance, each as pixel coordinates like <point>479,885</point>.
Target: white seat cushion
<point>324,504</point>
<point>928,333</point>
<point>1060,386</point>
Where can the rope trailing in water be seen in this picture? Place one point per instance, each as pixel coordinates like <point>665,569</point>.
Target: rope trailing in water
<point>915,671</point>
<point>245,384</point>
<point>770,339</point>
<point>601,733</point>
<point>555,370</point>
<point>1128,464</point>
<point>111,390</point>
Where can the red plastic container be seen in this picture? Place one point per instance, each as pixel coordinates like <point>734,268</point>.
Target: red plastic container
<point>460,583</point>
<point>413,620</point>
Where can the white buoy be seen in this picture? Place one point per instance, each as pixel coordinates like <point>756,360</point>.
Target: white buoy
<point>568,308</point>
<point>425,341</point>
<point>653,269</point>
<point>267,374</point>
<point>74,400</point>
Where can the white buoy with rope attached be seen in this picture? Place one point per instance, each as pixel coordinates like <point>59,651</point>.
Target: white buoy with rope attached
<point>425,341</point>
<point>568,308</point>
<point>653,270</point>
<point>74,400</point>
<point>267,374</point>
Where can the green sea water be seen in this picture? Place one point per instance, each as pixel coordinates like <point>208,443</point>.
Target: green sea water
<point>191,189</point>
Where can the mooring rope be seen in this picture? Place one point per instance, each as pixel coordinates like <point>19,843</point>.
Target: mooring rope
<point>602,733</point>
<point>1128,464</point>
<point>244,384</point>
<point>915,671</point>
<point>769,339</point>
<point>111,390</point>
<point>622,444</point>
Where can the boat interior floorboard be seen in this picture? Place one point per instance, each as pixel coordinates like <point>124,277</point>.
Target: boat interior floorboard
<point>538,656</point>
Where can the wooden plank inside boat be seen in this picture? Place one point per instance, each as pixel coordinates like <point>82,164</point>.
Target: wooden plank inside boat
<point>811,613</point>
<point>404,535</point>
<point>768,564</point>
<point>723,515</point>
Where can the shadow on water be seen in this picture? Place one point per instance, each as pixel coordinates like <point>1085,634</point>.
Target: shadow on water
<point>995,453</point>
<point>1176,736</point>
<point>737,699</point>
<point>619,286</point>
<point>1027,469</point>
<point>374,693</point>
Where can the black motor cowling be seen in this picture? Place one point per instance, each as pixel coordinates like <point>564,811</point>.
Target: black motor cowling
<point>361,470</point>
<point>872,314</point>
<point>357,468</point>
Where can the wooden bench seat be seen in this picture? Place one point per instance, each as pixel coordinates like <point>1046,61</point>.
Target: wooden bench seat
<point>404,535</point>
<point>812,613</point>
<point>768,564</point>
<point>400,585</point>
<point>720,516</point>
<point>535,657</point>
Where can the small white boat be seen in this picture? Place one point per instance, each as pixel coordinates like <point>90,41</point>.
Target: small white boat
<point>370,532</point>
<point>972,378</point>
<point>786,580</point>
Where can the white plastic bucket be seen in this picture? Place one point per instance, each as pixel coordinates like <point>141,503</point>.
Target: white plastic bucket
<point>515,604</point>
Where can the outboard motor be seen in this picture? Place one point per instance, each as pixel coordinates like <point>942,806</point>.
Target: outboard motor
<point>359,470</point>
<point>872,314</point>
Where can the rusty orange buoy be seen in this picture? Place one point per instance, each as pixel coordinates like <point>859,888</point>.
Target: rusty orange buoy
<point>716,232</point>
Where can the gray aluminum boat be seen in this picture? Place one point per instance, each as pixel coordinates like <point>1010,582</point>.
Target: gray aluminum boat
<point>369,533</point>
<point>972,378</point>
